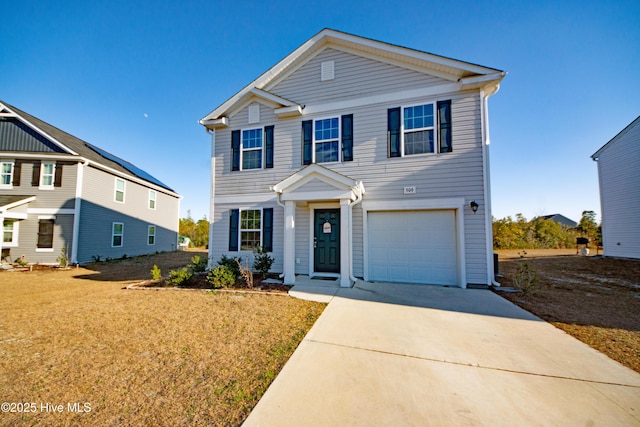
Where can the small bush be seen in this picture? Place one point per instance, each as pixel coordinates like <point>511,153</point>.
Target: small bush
<point>221,277</point>
<point>156,274</point>
<point>179,277</point>
<point>525,278</point>
<point>232,263</point>
<point>262,262</point>
<point>246,273</point>
<point>198,264</point>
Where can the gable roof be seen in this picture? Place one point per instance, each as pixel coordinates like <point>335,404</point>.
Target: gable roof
<point>68,144</point>
<point>468,75</point>
<point>561,219</point>
<point>630,126</point>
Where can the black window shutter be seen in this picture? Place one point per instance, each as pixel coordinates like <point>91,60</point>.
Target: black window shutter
<point>307,142</point>
<point>234,217</point>
<point>57,181</point>
<point>35,176</point>
<point>444,126</point>
<point>267,229</point>
<point>347,138</point>
<point>268,147</point>
<point>393,131</point>
<point>235,148</point>
<point>17,169</point>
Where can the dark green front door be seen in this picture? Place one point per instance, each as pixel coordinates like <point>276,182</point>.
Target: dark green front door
<point>326,241</point>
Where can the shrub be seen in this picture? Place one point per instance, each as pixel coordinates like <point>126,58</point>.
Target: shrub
<point>232,263</point>
<point>179,277</point>
<point>525,278</point>
<point>221,277</point>
<point>156,274</point>
<point>262,262</point>
<point>246,273</point>
<point>63,259</point>
<point>198,264</point>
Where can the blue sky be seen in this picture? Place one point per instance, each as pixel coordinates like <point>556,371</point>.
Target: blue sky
<point>134,78</point>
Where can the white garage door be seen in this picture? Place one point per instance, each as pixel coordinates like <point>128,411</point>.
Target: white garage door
<point>413,247</point>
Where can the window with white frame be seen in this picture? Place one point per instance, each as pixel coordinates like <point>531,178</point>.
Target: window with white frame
<point>47,175</point>
<point>9,233</point>
<point>117,234</point>
<point>251,149</point>
<point>419,126</point>
<point>119,190</point>
<point>250,229</point>
<point>6,174</point>
<point>152,199</point>
<point>327,140</point>
<point>151,235</point>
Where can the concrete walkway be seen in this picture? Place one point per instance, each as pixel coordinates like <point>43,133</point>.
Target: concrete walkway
<point>411,355</point>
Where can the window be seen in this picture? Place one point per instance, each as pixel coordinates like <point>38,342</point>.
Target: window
<point>117,233</point>
<point>9,233</point>
<point>119,192</point>
<point>327,140</point>
<point>250,228</point>
<point>151,235</point>
<point>47,175</point>
<point>252,149</point>
<point>248,146</point>
<point>45,234</point>
<point>152,199</point>
<point>6,174</point>
<point>415,129</point>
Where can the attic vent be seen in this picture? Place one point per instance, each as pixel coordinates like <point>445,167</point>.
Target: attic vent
<point>254,113</point>
<point>327,71</point>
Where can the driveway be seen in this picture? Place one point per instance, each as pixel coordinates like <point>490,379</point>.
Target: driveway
<point>396,354</point>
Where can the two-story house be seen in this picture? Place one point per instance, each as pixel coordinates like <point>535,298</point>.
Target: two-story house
<point>58,193</point>
<point>353,158</point>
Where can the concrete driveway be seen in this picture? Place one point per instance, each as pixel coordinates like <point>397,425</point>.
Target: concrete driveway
<point>403,355</point>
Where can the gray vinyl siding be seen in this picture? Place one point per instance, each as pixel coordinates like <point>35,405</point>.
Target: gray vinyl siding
<point>99,211</point>
<point>619,175</point>
<point>16,136</point>
<point>457,174</point>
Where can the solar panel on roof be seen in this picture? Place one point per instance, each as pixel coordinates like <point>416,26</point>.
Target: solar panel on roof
<point>128,166</point>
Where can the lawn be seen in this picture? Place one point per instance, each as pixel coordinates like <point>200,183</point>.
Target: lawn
<point>595,299</point>
<point>112,356</point>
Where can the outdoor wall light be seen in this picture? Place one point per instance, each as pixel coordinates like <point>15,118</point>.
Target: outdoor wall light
<point>474,206</point>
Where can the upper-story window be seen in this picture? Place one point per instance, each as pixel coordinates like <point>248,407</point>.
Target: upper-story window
<point>252,148</point>
<point>6,174</point>
<point>47,175</point>
<point>327,140</point>
<point>152,199</point>
<point>119,190</point>
<point>419,129</point>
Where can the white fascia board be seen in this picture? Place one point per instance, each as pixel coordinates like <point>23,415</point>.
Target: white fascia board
<point>222,122</point>
<point>401,205</point>
<point>131,178</point>
<point>477,82</point>
<point>13,215</point>
<point>309,172</point>
<point>17,203</point>
<point>39,156</point>
<point>308,196</point>
<point>50,211</point>
<point>35,128</point>
<point>245,198</point>
<point>287,112</point>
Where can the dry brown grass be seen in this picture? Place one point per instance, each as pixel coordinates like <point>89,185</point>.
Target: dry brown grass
<point>595,299</point>
<point>139,357</point>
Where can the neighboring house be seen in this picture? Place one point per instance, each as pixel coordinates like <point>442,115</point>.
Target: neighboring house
<point>619,176</point>
<point>354,158</point>
<point>561,219</point>
<point>58,192</point>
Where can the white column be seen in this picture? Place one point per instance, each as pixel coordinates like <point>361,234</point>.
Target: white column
<point>289,261</point>
<point>345,281</point>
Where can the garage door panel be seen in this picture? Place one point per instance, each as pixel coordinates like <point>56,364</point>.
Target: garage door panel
<point>413,246</point>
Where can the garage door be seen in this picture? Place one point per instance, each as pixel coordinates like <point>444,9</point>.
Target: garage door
<point>413,247</point>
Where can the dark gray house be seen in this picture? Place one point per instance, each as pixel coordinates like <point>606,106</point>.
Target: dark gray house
<point>58,193</point>
<point>561,219</point>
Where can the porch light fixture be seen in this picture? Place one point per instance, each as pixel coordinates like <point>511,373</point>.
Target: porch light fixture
<point>474,206</point>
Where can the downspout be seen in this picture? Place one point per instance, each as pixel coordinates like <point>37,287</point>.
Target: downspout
<point>486,140</point>
<point>351,205</point>
<point>76,216</point>
<point>212,194</point>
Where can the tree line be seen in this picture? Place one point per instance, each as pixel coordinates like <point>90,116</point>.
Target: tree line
<point>197,231</point>
<point>540,233</point>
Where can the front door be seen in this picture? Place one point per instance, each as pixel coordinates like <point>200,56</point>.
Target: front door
<point>326,241</point>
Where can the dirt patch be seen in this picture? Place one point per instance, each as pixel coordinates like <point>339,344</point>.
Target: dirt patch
<point>75,338</point>
<point>595,299</point>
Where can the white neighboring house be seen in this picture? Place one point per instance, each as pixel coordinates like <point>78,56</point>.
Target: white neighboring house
<point>619,178</point>
<point>354,158</point>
